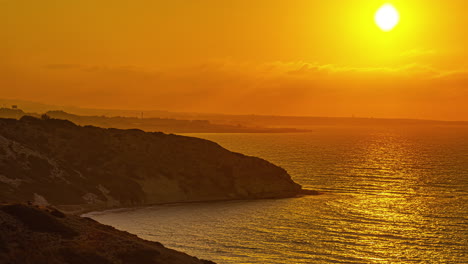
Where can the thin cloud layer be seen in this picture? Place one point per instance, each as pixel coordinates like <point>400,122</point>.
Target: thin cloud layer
<point>294,88</point>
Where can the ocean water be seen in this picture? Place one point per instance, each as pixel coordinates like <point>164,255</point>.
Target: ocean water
<point>391,195</point>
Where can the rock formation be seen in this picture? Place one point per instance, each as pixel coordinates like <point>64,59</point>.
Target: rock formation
<point>52,161</point>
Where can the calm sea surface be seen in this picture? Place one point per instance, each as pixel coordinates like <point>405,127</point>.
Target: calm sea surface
<point>391,196</point>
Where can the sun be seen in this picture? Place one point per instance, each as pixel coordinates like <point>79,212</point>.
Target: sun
<point>387,17</point>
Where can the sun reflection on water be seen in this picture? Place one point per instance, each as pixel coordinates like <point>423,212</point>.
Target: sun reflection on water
<point>388,203</point>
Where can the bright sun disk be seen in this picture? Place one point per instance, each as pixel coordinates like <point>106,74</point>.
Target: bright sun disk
<point>387,17</point>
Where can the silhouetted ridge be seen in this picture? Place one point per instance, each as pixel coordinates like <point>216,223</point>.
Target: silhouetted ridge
<point>39,235</point>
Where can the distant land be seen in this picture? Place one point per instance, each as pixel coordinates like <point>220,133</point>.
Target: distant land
<point>225,122</point>
<point>166,125</point>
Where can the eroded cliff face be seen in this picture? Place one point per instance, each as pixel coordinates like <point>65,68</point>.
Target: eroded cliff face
<point>55,161</point>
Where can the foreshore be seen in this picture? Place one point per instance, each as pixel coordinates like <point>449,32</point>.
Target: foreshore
<point>86,209</point>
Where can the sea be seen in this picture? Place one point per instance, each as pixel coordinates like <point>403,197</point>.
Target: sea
<point>390,195</point>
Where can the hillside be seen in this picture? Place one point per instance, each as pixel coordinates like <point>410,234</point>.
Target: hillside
<point>33,235</point>
<point>77,168</point>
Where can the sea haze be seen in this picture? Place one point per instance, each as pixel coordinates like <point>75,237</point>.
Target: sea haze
<point>392,195</point>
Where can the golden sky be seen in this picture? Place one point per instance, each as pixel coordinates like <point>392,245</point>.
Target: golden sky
<point>295,57</point>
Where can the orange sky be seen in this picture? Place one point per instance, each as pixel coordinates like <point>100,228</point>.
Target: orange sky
<point>295,57</point>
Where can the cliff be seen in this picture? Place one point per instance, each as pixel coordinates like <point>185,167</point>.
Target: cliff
<point>33,235</point>
<point>52,161</point>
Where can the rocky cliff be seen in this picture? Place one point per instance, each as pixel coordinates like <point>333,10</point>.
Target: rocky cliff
<point>52,161</point>
<point>33,235</point>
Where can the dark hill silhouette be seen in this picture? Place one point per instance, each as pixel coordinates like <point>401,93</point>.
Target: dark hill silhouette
<point>33,235</point>
<point>55,161</point>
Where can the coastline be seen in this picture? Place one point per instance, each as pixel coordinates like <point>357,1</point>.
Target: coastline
<point>69,234</point>
<point>84,212</point>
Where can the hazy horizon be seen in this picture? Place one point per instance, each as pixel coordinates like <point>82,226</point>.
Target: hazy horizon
<point>40,107</point>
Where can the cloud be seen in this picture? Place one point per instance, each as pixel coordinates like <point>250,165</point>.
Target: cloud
<point>245,75</point>
<point>268,88</point>
<point>418,53</point>
<point>457,75</point>
<point>62,66</point>
<point>330,71</point>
